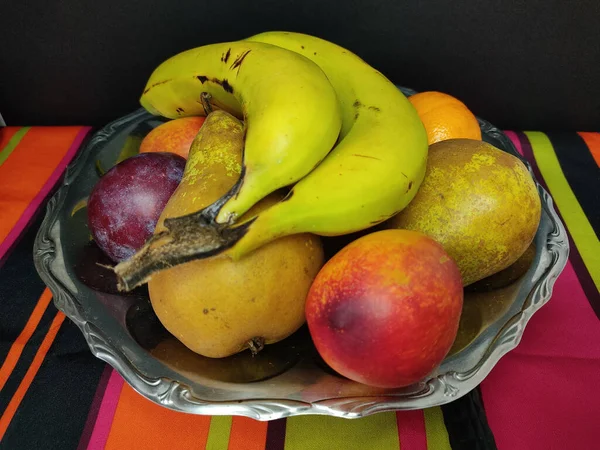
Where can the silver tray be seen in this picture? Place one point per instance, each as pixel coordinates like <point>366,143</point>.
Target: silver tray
<point>288,378</point>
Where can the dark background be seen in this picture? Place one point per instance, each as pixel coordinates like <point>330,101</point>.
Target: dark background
<point>519,64</point>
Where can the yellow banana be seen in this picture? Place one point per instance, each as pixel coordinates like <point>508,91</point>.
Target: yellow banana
<point>290,110</point>
<point>372,173</point>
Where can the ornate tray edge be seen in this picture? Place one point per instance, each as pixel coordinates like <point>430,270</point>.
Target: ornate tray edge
<point>177,396</point>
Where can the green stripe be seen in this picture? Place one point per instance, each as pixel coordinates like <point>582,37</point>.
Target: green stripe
<point>378,431</point>
<point>435,429</point>
<point>218,433</point>
<point>12,144</point>
<point>566,201</point>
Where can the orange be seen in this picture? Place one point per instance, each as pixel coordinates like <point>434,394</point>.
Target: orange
<point>174,136</point>
<point>445,117</point>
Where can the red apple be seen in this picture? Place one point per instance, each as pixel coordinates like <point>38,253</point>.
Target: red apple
<point>384,311</point>
<point>174,136</point>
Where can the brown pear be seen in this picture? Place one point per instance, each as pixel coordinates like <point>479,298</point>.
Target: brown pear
<point>479,202</point>
<point>218,307</point>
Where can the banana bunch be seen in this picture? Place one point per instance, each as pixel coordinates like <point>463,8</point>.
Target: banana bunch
<point>290,110</point>
<point>317,119</point>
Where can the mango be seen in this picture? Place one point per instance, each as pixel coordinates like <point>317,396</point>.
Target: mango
<point>479,202</point>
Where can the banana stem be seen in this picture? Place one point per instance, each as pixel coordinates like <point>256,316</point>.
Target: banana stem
<point>186,238</point>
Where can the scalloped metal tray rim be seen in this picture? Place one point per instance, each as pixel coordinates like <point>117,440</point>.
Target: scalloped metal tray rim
<point>176,395</point>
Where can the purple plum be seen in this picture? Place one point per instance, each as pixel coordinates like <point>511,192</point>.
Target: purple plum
<point>127,201</point>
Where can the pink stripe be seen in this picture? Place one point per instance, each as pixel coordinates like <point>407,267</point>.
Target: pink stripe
<point>516,141</point>
<point>41,196</point>
<point>84,440</point>
<point>107,412</point>
<point>411,430</point>
<point>529,395</point>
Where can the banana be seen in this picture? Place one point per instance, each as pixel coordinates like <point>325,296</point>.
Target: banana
<point>290,110</point>
<point>373,172</point>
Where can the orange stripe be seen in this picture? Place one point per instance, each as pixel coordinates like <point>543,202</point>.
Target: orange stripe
<point>17,348</point>
<point>592,140</point>
<point>38,359</point>
<point>248,434</point>
<point>6,133</point>
<point>30,164</point>
<point>141,424</point>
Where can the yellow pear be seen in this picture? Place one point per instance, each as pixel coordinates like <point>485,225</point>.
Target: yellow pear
<point>218,307</point>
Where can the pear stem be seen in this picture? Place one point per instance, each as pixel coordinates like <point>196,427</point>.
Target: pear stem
<point>256,344</point>
<point>185,239</point>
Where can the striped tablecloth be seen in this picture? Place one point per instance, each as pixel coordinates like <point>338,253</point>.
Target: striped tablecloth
<point>55,395</point>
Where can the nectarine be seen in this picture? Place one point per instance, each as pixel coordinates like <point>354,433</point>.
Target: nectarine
<point>174,136</point>
<point>384,311</point>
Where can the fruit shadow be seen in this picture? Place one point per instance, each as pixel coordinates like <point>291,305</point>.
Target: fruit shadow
<point>134,311</point>
<point>485,302</point>
<point>488,300</point>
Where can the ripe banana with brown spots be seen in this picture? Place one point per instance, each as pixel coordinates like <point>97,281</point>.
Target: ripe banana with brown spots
<point>290,110</point>
<point>375,169</point>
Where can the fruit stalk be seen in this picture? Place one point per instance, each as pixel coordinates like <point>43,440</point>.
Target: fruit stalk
<point>256,344</point>
<point>185,239</point>
<point>186,229</point>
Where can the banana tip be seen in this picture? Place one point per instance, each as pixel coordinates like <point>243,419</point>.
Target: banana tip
<point>148,106</point>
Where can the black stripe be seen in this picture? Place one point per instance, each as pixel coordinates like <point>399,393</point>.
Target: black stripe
<point>581,171</point>
<point>467,424</point>
<point>276,434</point>
<point>581,271</point>
<point>20,288</point>
<point>54,411</point>
<point>24,362</point>
<point>55,408</point>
